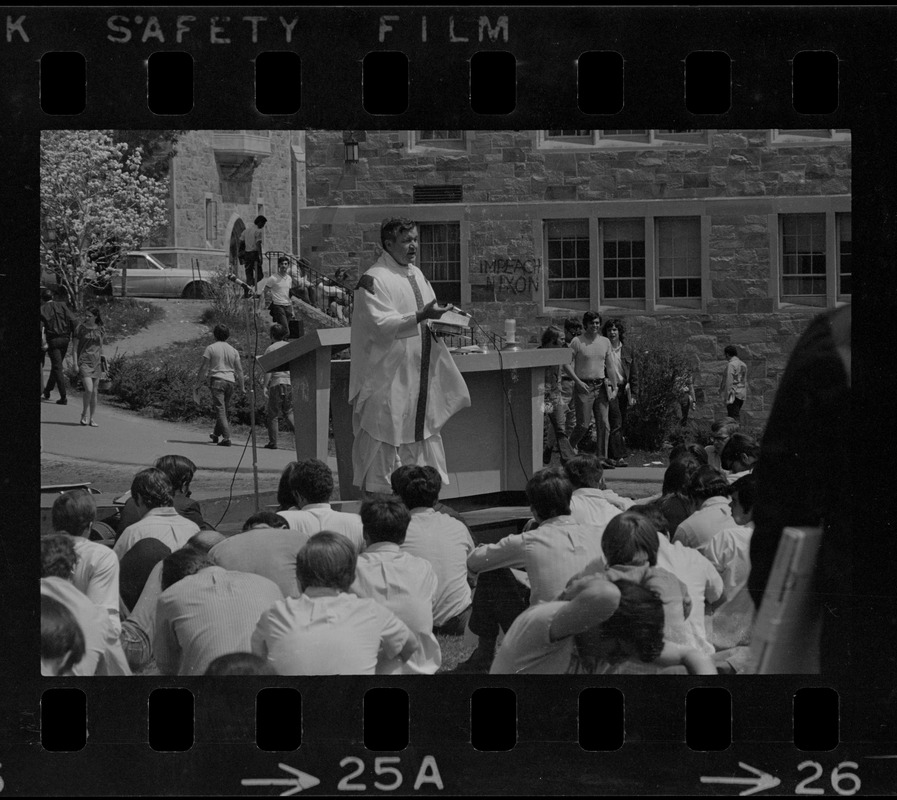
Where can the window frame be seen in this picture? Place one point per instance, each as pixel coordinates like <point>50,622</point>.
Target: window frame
<point>414,144</point>
<point>779,137</point>
<point>436,283</point>
<point>651,139</point>
<point>652,303</point>
<point>831,208</point>
<point>578,303</point>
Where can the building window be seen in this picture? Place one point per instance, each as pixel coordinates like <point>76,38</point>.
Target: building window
<point>211,220</point>
<point>803,257</point>
<point>440,258</point>
<point>434,141</point>
<point>820,136</point>
<point>678,258</point>
<point>623,260</point>
<point>568,260</point>
<point>440,136</point>
<point>844,247</point>
<point>626,138</point>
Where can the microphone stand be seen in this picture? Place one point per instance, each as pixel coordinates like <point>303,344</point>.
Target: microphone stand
<point>249,298</point>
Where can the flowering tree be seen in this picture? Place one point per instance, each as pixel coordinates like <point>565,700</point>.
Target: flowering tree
<point>95,207</point>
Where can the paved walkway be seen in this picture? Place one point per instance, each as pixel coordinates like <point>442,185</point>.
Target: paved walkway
<point>128,439</point>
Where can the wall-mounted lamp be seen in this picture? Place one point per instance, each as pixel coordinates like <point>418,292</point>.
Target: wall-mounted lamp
<point>351,151</point>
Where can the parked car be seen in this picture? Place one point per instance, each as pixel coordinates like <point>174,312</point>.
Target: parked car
<point>148,277</point>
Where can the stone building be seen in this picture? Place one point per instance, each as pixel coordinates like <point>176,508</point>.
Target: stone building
<point>220,182</point>
<point>702,237</point>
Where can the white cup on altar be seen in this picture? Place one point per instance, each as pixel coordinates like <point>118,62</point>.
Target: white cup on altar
<point>511,330</point>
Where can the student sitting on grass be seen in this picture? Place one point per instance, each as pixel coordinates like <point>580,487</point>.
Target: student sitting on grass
<point>593,626</point>
<point>730,552</point>
<point>327,630</point>
<point>404,583</point>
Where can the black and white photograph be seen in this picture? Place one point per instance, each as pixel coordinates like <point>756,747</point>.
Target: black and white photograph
<point>349,430</point>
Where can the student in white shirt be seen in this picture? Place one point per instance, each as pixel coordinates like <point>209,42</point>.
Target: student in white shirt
<point>278,287</point>
<point>709,491</point>
<point>595,625</point>
<point>311,484</point>
<point>588,504</point>
<point>730,553</point>
<point>96,569</point>
<point>550,554</point>
<point>327,630</point>
<point>400,581</point>
<point>442,540</point>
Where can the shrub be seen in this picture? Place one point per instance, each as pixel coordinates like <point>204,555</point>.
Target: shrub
<point>655,418</point>
<point>225,302</point>
<point>163,379</point>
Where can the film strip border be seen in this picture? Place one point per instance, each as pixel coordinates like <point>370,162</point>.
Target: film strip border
<point>636,736</point>
<point>485,67</point>
<point>547,756</point>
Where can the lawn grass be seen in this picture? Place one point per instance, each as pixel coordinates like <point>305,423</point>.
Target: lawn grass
<point>124,316</point>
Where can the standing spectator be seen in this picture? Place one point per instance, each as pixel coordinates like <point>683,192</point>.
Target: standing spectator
<point>180,471</point>
<point>311,484</point>
<point>572,329</point>
<point>89,361</point>
<point>97,569</point>
<point>221,363</point>
<point>252,241</point>
<point>593,373</point>
<point>443,541</point>
<point>205,611</point>
<point>720,432</point>
<point>43,355</point>
<point>734,384</point>
<point>326,630</point>
<point>626,392</point>
<point>277,390</point>
<point>151,491</point>
<point>550,554</point>
<point>58,324</point>
<point>554,404</point>
<point>278,288</point>
<point>403,583</point>
<point>684,386</point>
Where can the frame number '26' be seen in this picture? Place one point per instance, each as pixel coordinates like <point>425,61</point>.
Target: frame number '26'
<point>843,782</point>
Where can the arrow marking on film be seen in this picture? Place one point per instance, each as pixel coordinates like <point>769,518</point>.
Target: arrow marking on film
<point>760,783</point>
<point>300,780</point>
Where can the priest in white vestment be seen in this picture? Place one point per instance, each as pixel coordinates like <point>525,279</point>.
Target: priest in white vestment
<point>403,383</point>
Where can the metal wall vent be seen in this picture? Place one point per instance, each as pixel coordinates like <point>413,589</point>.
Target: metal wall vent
<point>451,193</point>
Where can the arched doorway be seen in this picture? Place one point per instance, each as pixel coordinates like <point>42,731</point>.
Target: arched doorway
<point>234,246</point>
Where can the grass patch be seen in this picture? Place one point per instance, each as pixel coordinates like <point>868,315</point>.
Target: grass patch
<point>125,316</point>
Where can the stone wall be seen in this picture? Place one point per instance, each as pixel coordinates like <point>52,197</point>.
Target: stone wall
<point>197,174</point>
<point>510,184</point>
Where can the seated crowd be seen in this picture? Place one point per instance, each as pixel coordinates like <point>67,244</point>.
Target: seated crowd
<point>595,582</point>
